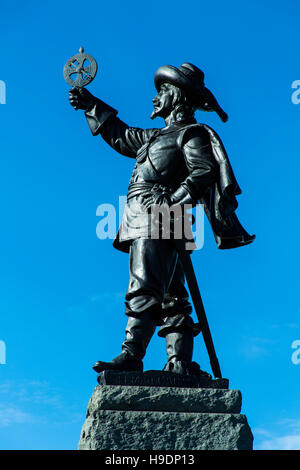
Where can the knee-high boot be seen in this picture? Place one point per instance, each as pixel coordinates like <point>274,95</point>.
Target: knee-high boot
<point>179,332</point>
<point>139,331</point>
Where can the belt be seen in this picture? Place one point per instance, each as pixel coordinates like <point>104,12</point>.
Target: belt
<point>136,189</point>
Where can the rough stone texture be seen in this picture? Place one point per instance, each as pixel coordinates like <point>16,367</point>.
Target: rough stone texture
<point>165,399</point>
<point>164,418</point>
<point>145,430</point>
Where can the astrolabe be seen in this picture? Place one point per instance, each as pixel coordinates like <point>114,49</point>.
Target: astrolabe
<point>80,70</point>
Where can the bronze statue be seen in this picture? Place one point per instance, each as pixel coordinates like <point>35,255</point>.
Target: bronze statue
<point>182,163</point>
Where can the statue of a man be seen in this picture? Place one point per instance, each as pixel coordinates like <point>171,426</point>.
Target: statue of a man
<point>182,163</point>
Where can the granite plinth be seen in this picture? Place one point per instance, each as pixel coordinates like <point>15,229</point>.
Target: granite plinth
<point>133,398</point>
<point>121,417</point>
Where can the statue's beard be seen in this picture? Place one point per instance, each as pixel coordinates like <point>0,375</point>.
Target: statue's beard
<point>159,111</point>
<point>155,112</point>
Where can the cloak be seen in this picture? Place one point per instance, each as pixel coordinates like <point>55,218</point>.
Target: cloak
<point>220,200</point>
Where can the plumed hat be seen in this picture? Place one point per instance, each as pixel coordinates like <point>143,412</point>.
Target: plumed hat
<point>191,79</point>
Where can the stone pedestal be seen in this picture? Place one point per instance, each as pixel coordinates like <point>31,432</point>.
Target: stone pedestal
<point>145,417</point>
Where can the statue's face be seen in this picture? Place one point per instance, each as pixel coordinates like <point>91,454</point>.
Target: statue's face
<point>163,101</point>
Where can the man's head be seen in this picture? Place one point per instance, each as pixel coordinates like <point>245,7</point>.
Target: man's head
<point>186,85</point>
<point>168,98</point>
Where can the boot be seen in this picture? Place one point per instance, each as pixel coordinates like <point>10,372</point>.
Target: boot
<point>179,332</point>
<point>180,352</point>
<point>139,331</point>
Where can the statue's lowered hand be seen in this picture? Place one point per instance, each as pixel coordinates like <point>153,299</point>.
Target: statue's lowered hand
<point>153,199</point>
<point>81,98</point>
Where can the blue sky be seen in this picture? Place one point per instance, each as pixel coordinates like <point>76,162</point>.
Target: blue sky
<point>62,289</point>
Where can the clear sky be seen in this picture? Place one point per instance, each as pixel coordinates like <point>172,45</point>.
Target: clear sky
<point>61,288</point>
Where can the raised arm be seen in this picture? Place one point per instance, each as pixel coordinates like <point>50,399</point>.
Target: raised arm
<point>102,119</point>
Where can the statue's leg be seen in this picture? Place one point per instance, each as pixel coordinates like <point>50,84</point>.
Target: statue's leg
<point>179,328</point>
<point>179,331</point>
<point>151,266</point>
<point>139,331</point>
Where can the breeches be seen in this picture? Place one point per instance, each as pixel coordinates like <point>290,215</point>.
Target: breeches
<point>156,281</point>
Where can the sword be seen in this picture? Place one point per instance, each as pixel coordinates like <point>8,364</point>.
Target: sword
<point>199,308</point>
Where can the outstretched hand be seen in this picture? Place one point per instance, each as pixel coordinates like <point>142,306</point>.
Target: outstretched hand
<point>80,98</point>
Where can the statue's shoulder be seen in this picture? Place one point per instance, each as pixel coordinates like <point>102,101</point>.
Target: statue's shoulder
<point>194,135</point>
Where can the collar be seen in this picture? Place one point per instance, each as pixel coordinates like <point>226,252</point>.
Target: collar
<point>175,126</point>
